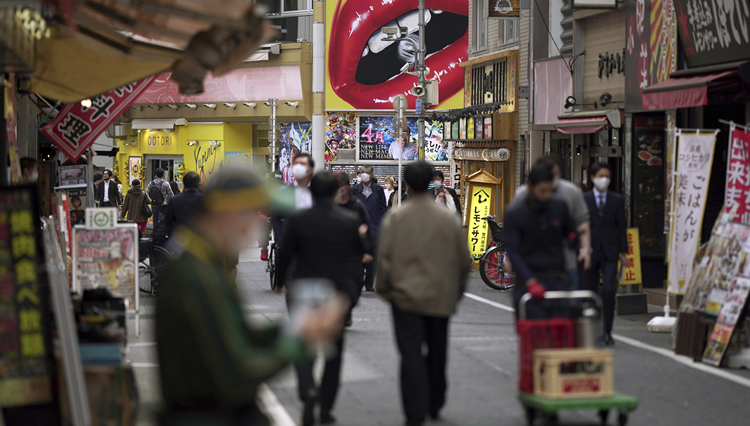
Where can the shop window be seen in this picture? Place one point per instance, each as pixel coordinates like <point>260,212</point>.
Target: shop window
<point>480,24</point>
<point>509,31</point>
<point>292,19</point>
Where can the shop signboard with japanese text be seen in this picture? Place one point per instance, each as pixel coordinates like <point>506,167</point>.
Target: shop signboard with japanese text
<point>737,194</point>
<point>479,208</point>
<point>631,271</point>
<point>25,343</point>
<point>363,71</point>
<point>694,158</point>
<point>651,47</point>
<point>76,127</point>
<point>713,31</point>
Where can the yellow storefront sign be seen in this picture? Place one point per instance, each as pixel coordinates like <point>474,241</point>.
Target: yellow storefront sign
<point>632,271</point>
<point>479,208</point>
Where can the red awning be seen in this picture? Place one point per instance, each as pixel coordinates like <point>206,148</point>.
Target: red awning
<point>576,126</point>
<point>685,92</point>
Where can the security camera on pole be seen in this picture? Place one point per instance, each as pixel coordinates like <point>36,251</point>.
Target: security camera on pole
<point>426,90</point>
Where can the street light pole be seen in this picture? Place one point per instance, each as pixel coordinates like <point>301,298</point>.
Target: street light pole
<point>422,81</point>
<point>272,133</point>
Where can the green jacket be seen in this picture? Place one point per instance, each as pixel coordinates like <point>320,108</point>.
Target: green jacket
<point>208,355</point>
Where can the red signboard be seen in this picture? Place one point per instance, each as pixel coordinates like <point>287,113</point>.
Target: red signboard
<point>738,179</point>
<point>76,127</point>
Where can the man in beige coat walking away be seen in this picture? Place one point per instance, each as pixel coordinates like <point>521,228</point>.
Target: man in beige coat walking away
<point>422,274</point>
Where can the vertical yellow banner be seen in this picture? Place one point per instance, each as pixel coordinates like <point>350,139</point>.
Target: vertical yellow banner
<point>631,273</point>
<point>479,208</point>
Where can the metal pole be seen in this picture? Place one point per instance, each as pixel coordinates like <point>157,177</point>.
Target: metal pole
<point>318,84</point>
<point>421,70</point>
<point>400,130</point>
<point>90,181</point>
<point>272,125</point>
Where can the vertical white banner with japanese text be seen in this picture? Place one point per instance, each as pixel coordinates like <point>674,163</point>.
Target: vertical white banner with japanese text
<point>695,153</point>
<point>737,193</point>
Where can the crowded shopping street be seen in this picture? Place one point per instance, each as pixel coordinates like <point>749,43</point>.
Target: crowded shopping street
<point>374,212</point>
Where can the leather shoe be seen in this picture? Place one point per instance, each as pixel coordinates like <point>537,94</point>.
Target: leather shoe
<point>413,423</point>
<point>308,412</point>
<point>369,288</point>
<point>608,340</point>
<point>327,419</point>
<point>435,415</point>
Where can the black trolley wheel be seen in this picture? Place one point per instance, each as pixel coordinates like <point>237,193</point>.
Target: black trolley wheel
<point>530,416</point>
<point>622,418</point>
<point>603,416</point>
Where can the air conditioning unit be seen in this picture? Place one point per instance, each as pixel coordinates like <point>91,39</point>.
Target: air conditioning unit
<point>118,131</point>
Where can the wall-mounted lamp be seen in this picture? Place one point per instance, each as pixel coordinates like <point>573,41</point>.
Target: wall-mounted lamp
<point>130,143</point>
<point>212,106</point>
<point>192,143</point>
<point>578,150</point>
<point>292,104</point>
<point>166,130</point>
<point>249,104</point>
<point>191,106</point>
<point>174,107</point>
<point>233,106</point>
<point>570,102</point>
<point>214,143</point>
<point>606,99</point>
<point>268,104</point>
<point>86,103</point>
<point>137,107</point>
<point>156,107</point>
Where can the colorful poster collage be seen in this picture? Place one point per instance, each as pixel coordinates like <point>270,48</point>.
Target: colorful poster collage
<point>341,133</point>
<point>25,344</point>
<point>294,138</point>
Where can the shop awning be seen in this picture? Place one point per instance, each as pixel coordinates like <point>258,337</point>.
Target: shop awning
<point>147,123</point>
<point>584,122</point>
<point>682,92</point>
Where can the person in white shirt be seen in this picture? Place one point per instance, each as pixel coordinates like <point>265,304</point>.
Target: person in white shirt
<point>302,171</point>
<point>389,188</point>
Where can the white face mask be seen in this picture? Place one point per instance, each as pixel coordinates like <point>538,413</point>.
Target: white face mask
<point>359,179</point>
<point>388,186</point>
<point>299,171</point>
<point>34,177</point>
<point>437,184</point>
<point>439,201</point>
<point>339,197</point>
<point>601,183</point>
<point>365,177</point>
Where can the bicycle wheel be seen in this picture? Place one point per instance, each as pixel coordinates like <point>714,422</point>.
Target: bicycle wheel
<point>145,278</point>
<point>272,266</point>
<point>492,270</point>
<point>159,257</point>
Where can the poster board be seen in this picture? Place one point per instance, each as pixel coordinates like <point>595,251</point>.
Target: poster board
<point>72,175</point>
<point>631,272</point>
<point>25,342</point>
<point>481,198</point>
<point>108,258</point>
<point>76,209</point>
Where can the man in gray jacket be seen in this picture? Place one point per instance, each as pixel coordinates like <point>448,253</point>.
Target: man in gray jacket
<point>423,284</point>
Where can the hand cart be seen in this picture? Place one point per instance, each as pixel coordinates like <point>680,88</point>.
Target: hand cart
<point>559,333</point>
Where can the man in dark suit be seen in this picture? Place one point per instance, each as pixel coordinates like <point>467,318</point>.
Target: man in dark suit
<point>182,207</point>
<point>326,242</point>
<point>372,197</point>
<point>608,241</point>
<point>107,194</point>
<point>438,184</point>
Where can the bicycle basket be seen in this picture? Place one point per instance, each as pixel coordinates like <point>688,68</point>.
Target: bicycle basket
<point>496,230</point>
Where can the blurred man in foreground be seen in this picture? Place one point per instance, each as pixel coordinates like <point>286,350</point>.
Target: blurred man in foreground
<point>422,274</point>
<point>211,360</point>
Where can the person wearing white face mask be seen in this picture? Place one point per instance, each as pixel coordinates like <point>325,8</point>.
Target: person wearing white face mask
<point>608,239</point>
<point>450,198</point>
<point>389,188</point>
<point>372,197</point>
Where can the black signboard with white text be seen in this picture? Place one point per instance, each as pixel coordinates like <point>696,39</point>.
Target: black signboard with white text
<point>713,31</point>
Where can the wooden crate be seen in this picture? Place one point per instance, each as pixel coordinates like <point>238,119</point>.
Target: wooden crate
<point>573,373</point>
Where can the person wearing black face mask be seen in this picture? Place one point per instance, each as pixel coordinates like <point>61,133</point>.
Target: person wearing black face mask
<point>535,233</point>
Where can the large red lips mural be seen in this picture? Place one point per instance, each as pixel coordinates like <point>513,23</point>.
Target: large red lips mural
<point>365,71</point>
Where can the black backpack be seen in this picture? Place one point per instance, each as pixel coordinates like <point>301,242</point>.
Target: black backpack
<point>154,192</point>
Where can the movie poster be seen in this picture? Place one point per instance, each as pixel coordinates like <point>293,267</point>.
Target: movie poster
<point>293,139</point>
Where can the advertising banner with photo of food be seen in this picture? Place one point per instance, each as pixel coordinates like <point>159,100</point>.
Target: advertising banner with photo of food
<point>363,71</point>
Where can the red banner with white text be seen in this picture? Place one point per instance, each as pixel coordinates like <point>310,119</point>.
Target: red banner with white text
<point>76,127</point>
<point>737,194</point>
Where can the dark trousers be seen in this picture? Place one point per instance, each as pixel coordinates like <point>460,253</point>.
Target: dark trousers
<point>370,272</point>
<point>423,382</point>
<point>329,385</point>
<point>158,213</point>
<point>108,204</point>
<point>609,287</point>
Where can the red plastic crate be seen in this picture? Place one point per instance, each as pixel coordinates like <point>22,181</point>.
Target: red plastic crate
<point>540,334</point>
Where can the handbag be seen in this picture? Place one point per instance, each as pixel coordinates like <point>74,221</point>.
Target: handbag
<point>145,209</point>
